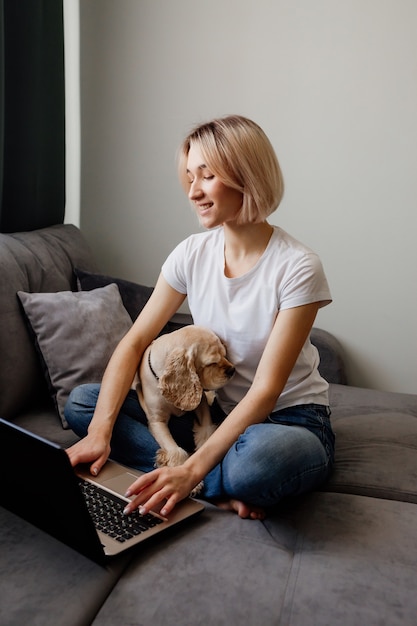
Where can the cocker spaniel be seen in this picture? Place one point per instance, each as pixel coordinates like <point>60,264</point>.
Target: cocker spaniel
<point>175,373</point>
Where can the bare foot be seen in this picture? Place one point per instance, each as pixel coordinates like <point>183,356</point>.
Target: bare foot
<point>241,508</point>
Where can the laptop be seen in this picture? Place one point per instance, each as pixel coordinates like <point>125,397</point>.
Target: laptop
<point>39,484</point>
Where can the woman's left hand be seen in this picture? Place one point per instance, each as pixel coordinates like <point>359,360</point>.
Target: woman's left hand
<point>167,485</point>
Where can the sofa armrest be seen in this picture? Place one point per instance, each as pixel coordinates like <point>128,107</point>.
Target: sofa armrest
<point>332,366</point>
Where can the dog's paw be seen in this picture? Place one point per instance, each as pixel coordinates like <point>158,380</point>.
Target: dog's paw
<point>197,489</point>
<point>170,459</point>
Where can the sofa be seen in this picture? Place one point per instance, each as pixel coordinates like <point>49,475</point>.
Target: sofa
<point>345,554</point>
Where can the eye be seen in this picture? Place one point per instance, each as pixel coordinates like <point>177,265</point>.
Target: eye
<point>209,177</point>
<point>213,364</point>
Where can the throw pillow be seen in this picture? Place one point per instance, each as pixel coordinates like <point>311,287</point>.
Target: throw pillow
<point>75,334</point>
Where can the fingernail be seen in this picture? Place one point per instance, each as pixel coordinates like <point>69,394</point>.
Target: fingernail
<point>95,471</point>
<point>142,510</point>
<point>163,512</point>
<point>128,493</point>
<point>126,510</point>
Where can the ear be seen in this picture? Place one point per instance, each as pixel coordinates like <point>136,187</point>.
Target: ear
<point>179,383</point>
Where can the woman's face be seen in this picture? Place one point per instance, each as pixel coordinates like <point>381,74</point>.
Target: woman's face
<point>214,202</point>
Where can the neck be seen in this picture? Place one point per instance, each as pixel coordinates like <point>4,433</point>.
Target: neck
<point>243,246</point>
<point>247,237</point>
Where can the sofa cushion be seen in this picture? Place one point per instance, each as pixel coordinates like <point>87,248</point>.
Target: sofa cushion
<point>46,583</point>
<point>38,261</point>
<point>42,421</point>
<point>75,333</point>
<point>134,295</point>
<point>322,559</point>
<point>347,400</point>
<point>369,447</point>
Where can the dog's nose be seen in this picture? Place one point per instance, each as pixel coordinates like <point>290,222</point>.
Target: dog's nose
<point>230,371</point>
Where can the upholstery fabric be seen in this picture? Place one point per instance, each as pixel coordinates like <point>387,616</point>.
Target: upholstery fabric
<point>45,582</point>
<point>39,261</point>
<point>323,559</point>
<point>331,366</point>
<point>134,296</point>
<point>76,334</point>
<point>45,422</point>
<point>368,447</point>
<point>347,400</point>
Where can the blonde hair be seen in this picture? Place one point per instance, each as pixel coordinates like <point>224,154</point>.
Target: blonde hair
<point>240,154</point>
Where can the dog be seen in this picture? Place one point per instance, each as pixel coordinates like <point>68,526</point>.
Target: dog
<point>177,373</point>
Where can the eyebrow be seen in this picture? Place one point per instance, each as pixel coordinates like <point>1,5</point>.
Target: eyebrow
<point>200,167</point>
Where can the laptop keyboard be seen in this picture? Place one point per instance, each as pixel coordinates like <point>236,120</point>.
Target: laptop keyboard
<point>106,511</point>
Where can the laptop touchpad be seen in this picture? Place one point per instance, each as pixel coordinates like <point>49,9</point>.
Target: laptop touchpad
<point>120,483</point>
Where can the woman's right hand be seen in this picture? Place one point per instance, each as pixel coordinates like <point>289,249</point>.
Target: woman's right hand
<point>92,449</point>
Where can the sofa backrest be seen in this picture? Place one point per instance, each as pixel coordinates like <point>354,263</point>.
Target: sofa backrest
<point>40,261</point>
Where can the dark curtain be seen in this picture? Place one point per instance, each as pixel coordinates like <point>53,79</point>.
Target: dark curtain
<point>32,114</point>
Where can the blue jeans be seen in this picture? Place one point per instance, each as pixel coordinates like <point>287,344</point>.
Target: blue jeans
<point>292,452</point>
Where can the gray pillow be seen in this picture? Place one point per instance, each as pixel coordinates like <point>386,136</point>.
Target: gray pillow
<point>75,334</point>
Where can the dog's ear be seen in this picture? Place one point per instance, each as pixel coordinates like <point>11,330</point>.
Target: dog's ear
<point>179,383</point>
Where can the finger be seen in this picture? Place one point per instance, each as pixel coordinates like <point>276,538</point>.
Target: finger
<point>77,454</point>
<point>97,466</point>
<point>141,500</point>
<point>74,456</point>
<point>148,499</point>
<point>169,505</point>
<point>71,454</point>
<point>141,483</point>
<point>154,503</point>
<point>141,493</point>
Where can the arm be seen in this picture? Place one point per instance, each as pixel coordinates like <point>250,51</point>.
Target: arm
<point>290,331</point>
<point>119,374</point>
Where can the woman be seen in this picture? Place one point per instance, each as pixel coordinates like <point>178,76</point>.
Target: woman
<point>259,289</point>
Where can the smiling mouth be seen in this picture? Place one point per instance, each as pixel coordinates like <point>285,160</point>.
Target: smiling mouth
<point>204,207</point>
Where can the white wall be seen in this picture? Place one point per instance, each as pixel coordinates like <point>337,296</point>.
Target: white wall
<point>334,85</point>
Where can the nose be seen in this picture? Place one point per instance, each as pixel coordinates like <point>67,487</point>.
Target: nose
<point>195,190</point>
<point>230,371</point>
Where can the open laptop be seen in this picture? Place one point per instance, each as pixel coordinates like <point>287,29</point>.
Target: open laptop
<point>39,484</point>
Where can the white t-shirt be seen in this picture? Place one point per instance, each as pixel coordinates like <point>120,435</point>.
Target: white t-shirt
<point>242,311</point>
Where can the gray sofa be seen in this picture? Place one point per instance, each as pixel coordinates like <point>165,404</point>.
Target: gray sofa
<point>344,555</point>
